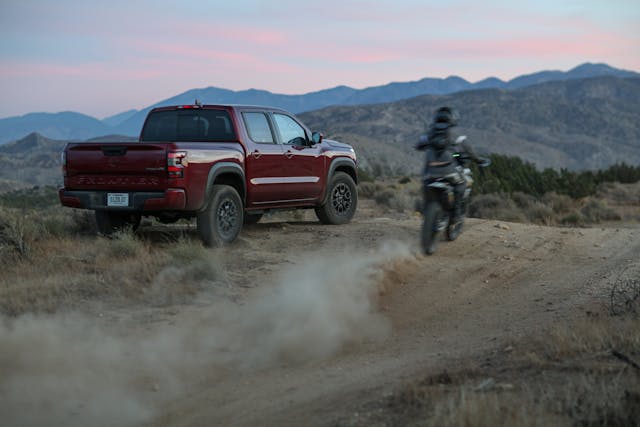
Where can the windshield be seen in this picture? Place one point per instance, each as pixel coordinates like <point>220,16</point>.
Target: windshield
<point>188,125</point>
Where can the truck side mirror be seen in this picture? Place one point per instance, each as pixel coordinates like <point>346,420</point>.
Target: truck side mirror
<point>316,137</point>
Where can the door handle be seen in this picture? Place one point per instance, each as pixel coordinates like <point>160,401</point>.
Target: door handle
<point>256,154</point>
<point>289,154</point>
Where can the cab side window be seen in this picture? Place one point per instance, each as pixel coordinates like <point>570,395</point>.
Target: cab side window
<point>258,128</point>
<point>290,131</point>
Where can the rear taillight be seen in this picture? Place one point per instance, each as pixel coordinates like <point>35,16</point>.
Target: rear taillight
<point>176,162</point>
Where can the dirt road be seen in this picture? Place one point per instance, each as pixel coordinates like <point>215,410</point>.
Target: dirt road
<point>325,319</point>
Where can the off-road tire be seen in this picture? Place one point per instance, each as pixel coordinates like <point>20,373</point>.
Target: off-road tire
<point>221,221</point>
<point>454,230</point>
<point>341,202</point>
<point>430,236</point>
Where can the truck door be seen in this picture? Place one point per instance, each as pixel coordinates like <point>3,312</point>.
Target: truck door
<point>264,161</point>
<point>302,164</point>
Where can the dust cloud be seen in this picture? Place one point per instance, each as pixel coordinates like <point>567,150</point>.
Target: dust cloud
<point>72,370</point>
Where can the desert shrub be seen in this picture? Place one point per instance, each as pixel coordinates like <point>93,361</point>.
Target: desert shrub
<point>121,245</point>
<point>523,200</point>
<point>539,213</point>
<point>368,190</point>
<point>559,203</point>
<point>397,199</point>
<point>624,296</point>
<point>597,210</point>
<point>510,174</point>
<point>404,180</point>
<point>573,219</point>
<point>384,197</point>
<point>83,222</point>
<point>365,176</point>
<point>195,261</point>
<point>495,206</point>
<point>189,269</point>
<point>17,232</point>
<point>627,194</point>
<point>34,197</point>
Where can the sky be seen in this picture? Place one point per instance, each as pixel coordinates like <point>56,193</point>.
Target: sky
<point>105,57</point>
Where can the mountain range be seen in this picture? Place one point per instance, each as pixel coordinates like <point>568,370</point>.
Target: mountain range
<point>576,124</point>
<point>76,126</point>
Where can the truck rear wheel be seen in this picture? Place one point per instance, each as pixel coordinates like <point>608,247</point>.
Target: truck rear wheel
<point>341,202</point>
<point>221,221</point>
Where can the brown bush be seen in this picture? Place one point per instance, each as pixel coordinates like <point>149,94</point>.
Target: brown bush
<point>596,211</point>
<point>495,206</point>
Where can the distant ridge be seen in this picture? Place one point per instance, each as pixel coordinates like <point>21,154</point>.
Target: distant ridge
<point>65,125</point>
<point>78,126</point>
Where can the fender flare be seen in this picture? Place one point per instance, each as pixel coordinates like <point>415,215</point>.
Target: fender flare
<point>219,169</point>
<point>335,164</point>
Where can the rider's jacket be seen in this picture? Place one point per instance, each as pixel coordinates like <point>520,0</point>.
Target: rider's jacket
<point>440,150</point>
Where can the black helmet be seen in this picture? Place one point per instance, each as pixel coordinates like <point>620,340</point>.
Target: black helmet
<point>445,117</point>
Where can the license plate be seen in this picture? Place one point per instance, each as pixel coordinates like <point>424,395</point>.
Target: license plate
<point>117,199</point>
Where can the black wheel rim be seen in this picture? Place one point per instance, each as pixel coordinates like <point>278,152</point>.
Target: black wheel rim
<point>341,199</point>
<point>227,216</point>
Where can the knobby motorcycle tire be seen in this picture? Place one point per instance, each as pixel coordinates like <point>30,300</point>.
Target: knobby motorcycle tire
<point>454,229</point>
<point>430,235</point>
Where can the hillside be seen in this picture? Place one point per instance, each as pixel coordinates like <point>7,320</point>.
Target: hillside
<point>576,124</point>
<point>32,160</point>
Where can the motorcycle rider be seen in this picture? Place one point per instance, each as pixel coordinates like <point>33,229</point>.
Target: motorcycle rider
<point>443,153</point>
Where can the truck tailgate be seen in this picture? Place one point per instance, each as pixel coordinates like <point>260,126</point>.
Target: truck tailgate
<point>131,166</point>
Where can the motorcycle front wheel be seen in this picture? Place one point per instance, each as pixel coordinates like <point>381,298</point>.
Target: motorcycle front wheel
<point>454,230</point>
<point>430,234</point>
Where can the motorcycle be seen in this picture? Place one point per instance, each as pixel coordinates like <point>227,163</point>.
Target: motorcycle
<point>439,203</point>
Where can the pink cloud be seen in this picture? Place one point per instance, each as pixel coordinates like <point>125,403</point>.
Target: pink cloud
<point>193,55</point>
<point>252,35</point>
<point>95,71</point>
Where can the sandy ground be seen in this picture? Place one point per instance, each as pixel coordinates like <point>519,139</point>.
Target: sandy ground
<point>497,283</point>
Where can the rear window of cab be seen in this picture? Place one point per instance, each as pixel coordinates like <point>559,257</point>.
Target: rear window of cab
<point>188,125</point>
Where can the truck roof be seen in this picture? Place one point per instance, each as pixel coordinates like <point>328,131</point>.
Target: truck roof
<point>214,106</point>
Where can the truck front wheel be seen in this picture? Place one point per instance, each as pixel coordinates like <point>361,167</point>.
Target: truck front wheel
<point>221,221</point>
<point>342,200</point>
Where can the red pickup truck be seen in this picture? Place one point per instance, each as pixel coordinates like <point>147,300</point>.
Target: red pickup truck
<point>223,164</point>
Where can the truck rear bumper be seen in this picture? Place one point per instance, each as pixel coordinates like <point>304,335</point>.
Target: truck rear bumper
<point>170,199</point>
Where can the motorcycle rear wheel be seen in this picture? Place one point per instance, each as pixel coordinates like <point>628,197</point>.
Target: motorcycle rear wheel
<point>430,235</point>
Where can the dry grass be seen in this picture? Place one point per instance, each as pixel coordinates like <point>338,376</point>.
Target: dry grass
<point>49,265</point>
<point>403,195</point>
<point>578,375</point>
